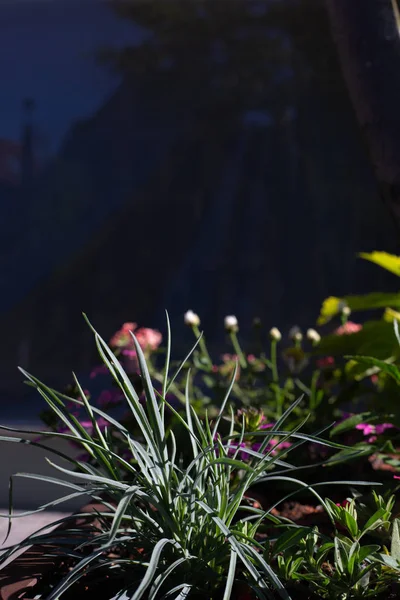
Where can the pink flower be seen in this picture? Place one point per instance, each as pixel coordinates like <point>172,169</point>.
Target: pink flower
<point>273,446</point>
<point>233,446</point>
<point>379,429</point>
<point>366,428</point>
<point>127,327</point>
<point>100,370</point>
<point>396,477</point>
<point>325,362</point>
<point>229,357</point>
<point>343,504</point>
<point>149,339</point>
<point>372,439</point>
<point>348,328</point>
<point>109,397</point>
<point>102,423</point>
<point>122,337</point>
<point>251,357</point>
<point>281,446</point>
<point>130,353</point>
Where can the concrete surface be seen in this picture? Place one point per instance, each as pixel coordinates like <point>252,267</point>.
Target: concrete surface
<point>28,494</point>
<point>24,526</point>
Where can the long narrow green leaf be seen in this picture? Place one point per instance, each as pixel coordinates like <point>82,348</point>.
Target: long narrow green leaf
<point>110,483</point>
<point>66,582</point>
<point>231,575</point>
<point>193,438</point>
<point>237,547</point>
<point>225,400</point>
<point>120,511</point>
<point>167,356</point>
<point>151,404</point>
<point>161,579</point>
<point>183,363</point>
<point>152,568</point>
<point>269,572</point>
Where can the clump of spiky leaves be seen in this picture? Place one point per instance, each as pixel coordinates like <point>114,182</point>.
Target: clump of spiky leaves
<point>171,529</point>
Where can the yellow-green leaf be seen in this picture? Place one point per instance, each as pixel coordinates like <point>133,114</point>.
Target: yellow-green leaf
<point>391,315</point>
<point>332,305</point>
<point>390,262</point>
<point>330,308</point>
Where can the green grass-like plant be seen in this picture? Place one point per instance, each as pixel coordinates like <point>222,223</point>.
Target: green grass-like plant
<point>169,529</point>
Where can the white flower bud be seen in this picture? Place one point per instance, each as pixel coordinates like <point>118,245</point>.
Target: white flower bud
<point>275,334</point>
<point>313,336</point>
<point>295,334</point>
<point>191,319</point>
<point>346,311</point>
<point>231,323</point>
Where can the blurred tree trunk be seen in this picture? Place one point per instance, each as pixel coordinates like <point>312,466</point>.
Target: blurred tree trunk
<point>366,34</point>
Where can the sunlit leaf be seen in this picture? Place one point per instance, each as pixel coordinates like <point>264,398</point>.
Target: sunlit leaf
<point>390,262</point>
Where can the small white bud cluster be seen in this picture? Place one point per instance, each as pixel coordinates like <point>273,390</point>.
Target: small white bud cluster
<point>295,334</point>
<point>275,334</point>
<point>190,318</point>
<point>231,323</point>
<point>313,336</point>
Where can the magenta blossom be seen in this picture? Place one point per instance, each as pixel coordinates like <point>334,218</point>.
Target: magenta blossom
<point>325,362</point>
<point>88,425</point>
<point>273,446</point>
<point>375,430</point>
<point>100,370</point>
<point>108,397</point>
<point>366,428</point>
<point>233,447</point>
<point>382,427</point>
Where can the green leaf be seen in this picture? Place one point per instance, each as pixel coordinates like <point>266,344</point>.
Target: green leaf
<point>375,520</point>
<point>231,575</point>
<point>167,358</point>
<point>395,541</point>
<point>290,538</point>
<point>330,308</point>
<point>340,555</point>
<point>390,262</point>
<point>353,557</point>
<point>376,339</point>
<point>366,551</point>
<point>350,523</point>
<point>352,421</point>
<point>332,305</point>
<point>152,568</point>
<point>385,367</point>
<point>353,453</point>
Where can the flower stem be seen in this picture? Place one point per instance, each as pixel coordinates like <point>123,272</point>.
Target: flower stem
<point>238,350</point>
<point>202,345</point>
<point>275,378</point>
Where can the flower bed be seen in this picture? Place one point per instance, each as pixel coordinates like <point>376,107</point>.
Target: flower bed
<point>270,473</point>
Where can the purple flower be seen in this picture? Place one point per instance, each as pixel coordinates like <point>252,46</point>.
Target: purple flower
<point>232,448</point>
<point>366,428</point>
<point>109,397</point>
<point>100,370</point>
<point>379,429</point>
